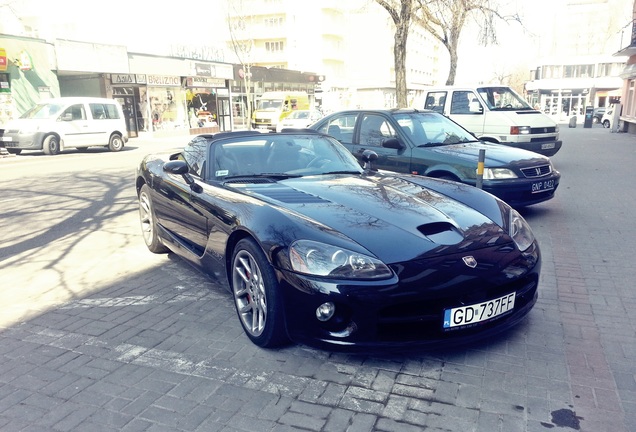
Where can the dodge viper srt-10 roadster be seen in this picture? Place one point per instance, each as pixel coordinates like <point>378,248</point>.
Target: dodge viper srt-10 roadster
<point>320,249</point>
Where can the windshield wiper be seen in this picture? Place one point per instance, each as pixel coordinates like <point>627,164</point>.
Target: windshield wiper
<point>275,176</point>
<point>340,172</point>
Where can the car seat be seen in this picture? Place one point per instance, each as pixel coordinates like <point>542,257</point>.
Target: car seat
<point>334,131</point>
<point>283,156</point>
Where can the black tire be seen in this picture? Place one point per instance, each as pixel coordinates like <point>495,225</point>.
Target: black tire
<point>148,222</point>
<point>257,296</point>
<point>51,145</point>
<point>116,143</point>
<point>606,124</point>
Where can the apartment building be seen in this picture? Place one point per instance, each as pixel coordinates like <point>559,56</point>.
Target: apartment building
<point>349,44</point>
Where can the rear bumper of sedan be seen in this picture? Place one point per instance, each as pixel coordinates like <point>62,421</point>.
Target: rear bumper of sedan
<point>409,312</point>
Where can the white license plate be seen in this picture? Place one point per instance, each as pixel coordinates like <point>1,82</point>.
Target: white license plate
<point>478,312</point>
<point>6,139</point>
<point>547,146</point>
<point>542,186</point>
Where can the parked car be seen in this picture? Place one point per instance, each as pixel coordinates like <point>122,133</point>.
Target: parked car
<point>67,122</point>
<point>597,114</point>
<point>428,143</point>
<point>608,117</point>
<point>299,119</point>
<point>318,250</point>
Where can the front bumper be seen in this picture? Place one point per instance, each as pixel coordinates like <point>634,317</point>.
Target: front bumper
<point>524,191</point>
<point>408,311</point>
<point>13,140</point>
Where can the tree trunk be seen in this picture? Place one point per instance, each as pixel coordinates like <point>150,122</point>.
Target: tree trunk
<point>399,55</point>
<point>452,71</point>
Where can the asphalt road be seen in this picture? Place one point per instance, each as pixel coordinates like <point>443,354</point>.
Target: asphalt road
<point>98,334</point>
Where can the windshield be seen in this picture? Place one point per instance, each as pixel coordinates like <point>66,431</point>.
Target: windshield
<point>269,104</point>
<point>432,128</point>
<point>281,156</point>
<point>43,111</point>
<point>299,115</point>
<point>502,98</point>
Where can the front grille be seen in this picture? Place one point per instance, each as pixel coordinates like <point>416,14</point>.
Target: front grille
<point>543,130</point>
<point>537,171</point>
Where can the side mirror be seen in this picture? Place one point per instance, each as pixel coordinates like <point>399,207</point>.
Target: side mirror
<point>475,107</point>
<point>393,143</point>
<point>67,117</point>
<point>179,167</point>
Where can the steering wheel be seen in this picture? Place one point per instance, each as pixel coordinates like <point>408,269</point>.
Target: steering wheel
<point>318,161</point>
<point>439,136</point>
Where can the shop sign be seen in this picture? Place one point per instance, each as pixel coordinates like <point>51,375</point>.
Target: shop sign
<point>3,60</point>
<point>164,80</point>
<point>205,82</point>
<point>128,79</point>
<point>122,79</point>
<point>222,71</point>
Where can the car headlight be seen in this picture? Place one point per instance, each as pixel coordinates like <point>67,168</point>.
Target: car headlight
<point>520,130</point>
<point>320,259</point>
<point>498,173</point>
<point>520,231</point>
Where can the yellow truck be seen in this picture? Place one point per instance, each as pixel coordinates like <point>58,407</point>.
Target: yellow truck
<point>274,106</point>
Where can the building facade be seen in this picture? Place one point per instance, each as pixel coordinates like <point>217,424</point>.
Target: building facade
<point>627,114</point>
<point>159,94</point>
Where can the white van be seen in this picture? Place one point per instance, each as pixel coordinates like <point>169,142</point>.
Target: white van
<point>496,114</point>
<point>55,124</point>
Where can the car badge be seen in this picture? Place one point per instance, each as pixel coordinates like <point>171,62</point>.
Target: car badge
<point>470,261</point>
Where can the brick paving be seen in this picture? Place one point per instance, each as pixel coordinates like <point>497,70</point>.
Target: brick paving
<point>158,347</point>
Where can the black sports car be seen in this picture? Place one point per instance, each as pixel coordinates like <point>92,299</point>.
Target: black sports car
<point>319,250</point>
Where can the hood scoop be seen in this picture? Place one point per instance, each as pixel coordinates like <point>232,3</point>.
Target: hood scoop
<point>442,233</point>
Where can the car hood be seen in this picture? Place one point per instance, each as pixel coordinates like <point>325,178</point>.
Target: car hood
<point>21,123</point>
<point>393,218</point>
<point>495,154</point>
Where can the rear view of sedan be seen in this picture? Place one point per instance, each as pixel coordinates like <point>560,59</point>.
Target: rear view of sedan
<point>428,143</point>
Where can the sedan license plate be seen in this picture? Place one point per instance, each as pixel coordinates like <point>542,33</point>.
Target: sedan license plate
<point>6,139</point>
<point>542,186</point>
<point>468,315</point>
<point>547,146</point>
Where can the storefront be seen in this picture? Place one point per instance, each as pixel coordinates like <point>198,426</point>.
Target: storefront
<point>26,75</point>
<point>250,83</point>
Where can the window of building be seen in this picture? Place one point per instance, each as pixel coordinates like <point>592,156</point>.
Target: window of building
<point>273,22</point>
<point>274,46</point>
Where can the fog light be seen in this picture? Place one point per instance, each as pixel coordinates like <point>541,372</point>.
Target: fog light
<point>325,311</point>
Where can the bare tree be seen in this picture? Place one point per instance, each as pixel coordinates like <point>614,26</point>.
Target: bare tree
<point>401,12</point>
<point>445,20</point>
<point>239,24</point>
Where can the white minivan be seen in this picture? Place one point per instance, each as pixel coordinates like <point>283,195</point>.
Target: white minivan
<point>496,114</point>
<point>55,124</point>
